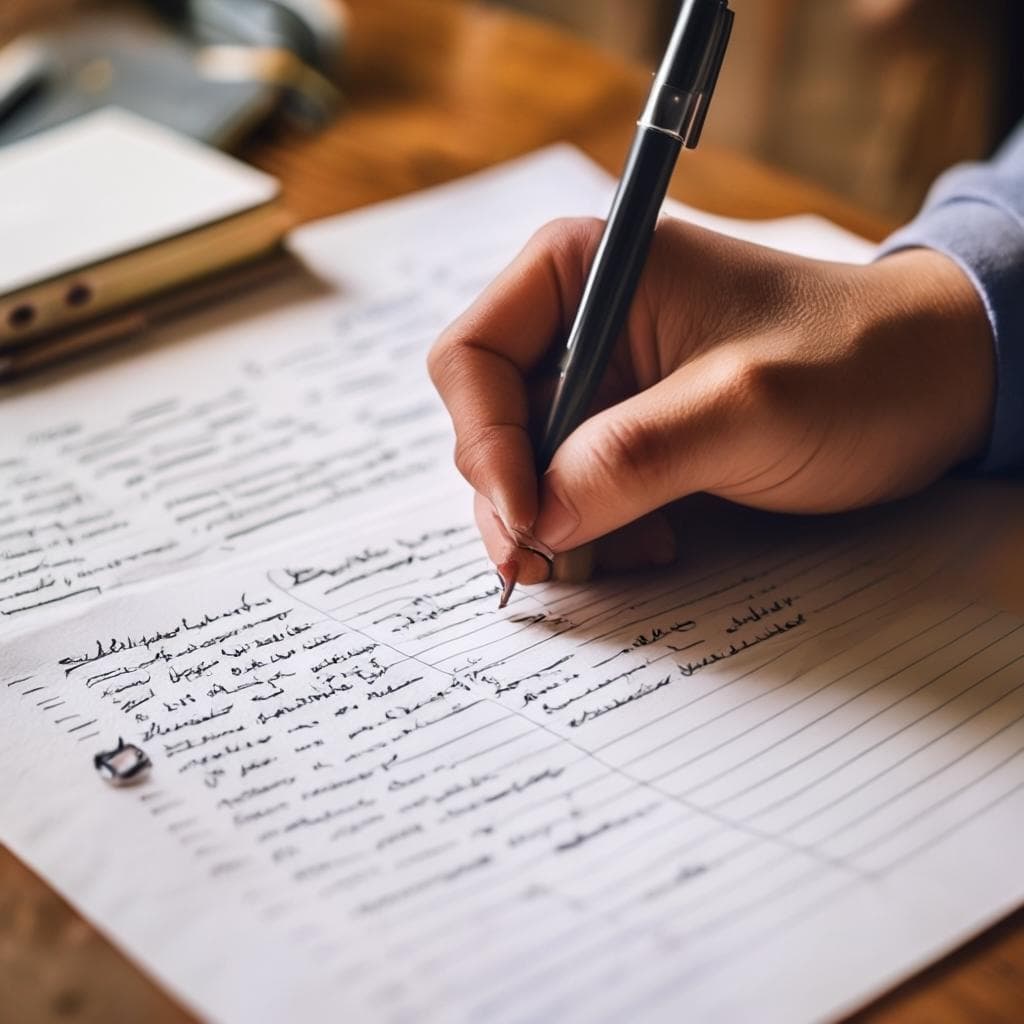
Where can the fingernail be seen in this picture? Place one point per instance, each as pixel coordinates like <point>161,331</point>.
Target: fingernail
<point>557,521</point>
<point>508,573</point>
<point>535,566</point>
<point>526,540</point>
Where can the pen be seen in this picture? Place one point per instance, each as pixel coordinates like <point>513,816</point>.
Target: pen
<point>24,64</point>
<point>672,119</point>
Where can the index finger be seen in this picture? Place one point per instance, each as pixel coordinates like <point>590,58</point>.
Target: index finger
<point>480,363</point>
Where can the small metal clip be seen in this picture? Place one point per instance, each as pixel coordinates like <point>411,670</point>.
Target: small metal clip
<point>124,765</point>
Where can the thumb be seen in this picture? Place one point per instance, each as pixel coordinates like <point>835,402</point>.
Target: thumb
<point>634,457</point>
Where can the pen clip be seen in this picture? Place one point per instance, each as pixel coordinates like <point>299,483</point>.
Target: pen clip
<point>679,100</point>
<point>714,57</point>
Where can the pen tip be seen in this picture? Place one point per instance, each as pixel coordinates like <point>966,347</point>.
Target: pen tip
<point>508,573</point>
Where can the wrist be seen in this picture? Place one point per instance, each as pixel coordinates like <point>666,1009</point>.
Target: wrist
<point>920,300</point>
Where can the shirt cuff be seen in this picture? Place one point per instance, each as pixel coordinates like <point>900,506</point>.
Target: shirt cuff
<point>987,243</point>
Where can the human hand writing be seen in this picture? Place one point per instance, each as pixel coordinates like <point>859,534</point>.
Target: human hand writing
<point>768,379</point>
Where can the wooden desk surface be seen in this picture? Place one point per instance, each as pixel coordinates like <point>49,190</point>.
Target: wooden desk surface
<point>439,88</point>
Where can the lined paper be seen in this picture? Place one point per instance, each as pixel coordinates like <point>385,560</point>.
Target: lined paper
<point>355,743</point>
<point>764,784</point>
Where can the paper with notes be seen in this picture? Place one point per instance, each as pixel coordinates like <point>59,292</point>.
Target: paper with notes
<point>281,412</point>
<point>764,784</point>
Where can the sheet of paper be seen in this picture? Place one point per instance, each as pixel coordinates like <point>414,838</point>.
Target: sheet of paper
<point>749,787</point>
<point>279,413</point>
<point>763,785</point>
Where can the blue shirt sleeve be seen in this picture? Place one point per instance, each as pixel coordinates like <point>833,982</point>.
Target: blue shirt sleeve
<point>975,215</point>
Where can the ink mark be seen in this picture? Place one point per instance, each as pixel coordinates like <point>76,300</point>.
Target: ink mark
<point>122,766</point>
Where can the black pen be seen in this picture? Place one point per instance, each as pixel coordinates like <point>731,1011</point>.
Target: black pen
<point>672,119</point>
<point>24,64</point>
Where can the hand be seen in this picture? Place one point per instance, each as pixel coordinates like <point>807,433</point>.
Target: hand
<point>774,381</point>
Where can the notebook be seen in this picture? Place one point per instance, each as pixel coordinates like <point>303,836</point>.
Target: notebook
<point>110,209</point>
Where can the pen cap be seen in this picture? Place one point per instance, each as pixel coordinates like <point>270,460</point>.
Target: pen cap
<point>684,84</point>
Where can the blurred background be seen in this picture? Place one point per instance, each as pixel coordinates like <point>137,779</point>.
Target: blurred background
<point>870,98</point>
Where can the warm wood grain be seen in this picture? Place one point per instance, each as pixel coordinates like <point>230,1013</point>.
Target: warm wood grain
<point>56,967</point>
<point>438,88</point>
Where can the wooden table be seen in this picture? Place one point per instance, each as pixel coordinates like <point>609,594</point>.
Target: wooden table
<point>436,89</point>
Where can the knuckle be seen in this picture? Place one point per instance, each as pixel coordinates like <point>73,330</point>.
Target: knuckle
<point>439,359</point>
<point>435,360</point>
<point>447,363</point>
<point>759,398</point>
<point>479,449</point>
<point>566,234</point>
<point>627,456</point>
<point>748,384</point>
<point>752,382</point>
<point>470,456</point>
